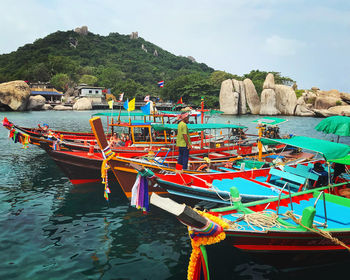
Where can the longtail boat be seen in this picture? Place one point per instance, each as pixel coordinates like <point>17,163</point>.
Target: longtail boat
<point>295,230</point>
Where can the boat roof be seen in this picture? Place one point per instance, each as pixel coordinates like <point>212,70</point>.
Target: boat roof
<point>330,150</point>
<point>270,120</point>
<point>196,127</point>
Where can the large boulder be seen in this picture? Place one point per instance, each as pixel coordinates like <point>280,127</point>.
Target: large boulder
<point>339,110</point>
<point>36,103</point>
<point>252,97</point>
<point>47,107</point>
<point>302,109</point>
<point>269,82</point>
<point>228,98</point>
<point>325,102</point>
<point>268,103</point>
<point>323,113</point>
<point>286,100</point>
<point>82,104</point>
<point>15,95</point>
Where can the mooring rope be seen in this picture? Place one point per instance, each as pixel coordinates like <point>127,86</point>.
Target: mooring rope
<point>314,229</point>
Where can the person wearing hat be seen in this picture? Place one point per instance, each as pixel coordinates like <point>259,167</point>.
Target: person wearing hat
<point>183,141</point>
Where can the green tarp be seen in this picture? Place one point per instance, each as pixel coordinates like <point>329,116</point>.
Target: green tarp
<point>329,150</point>
<point>270,120</point>
<point>195,127</point>
<point>338,125</point>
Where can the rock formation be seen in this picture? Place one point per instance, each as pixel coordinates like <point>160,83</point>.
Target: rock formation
<point>302,109</point>
<point>134,35</point>
<point>15,95</point>
<point>228,98</point>
<point>242,106</point>
<point>36,102</point>
<point>268,103</point>
<point>82,30</point>
<point>252,97</point>
<point>286,100</point>
<point>82,104</point>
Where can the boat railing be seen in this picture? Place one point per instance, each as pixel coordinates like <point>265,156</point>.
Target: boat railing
<point>324,206</point>
<point>290,197</point>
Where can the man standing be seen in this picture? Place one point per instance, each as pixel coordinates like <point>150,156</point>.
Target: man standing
<point>183,140</point>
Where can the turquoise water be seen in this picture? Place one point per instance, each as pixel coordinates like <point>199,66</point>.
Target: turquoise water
<point>52,230</point>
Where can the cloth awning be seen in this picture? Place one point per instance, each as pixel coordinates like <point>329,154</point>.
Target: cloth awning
<point>270,121</point>
<point>330,150</point>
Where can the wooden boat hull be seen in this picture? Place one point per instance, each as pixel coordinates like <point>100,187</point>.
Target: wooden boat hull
<point>283,249</point>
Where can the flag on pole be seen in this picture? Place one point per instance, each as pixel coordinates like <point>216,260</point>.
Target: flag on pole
<point>110,103</point>
<point>180,101</point>
<point>131,105</point>
<point>126,104</point>
<point>121,97</point>
<point>146,109</point>
<point>161,84</point>
<point>146,98</point>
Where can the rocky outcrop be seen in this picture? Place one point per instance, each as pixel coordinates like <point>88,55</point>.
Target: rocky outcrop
<point>47,107</point>
<point>268,103</point>
<point>82,30</point>
<point>62,108</point>
<point>269,82</point>
<point>15,95</point>
<point>228,98</point>
<point>252,97</point>
<point>339,110</point>
<point>286,100</point>
<point>36,103</point>
<point>82,104</point>
<point>302,109</point>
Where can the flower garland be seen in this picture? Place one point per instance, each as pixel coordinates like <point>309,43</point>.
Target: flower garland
<point>107,155</point>
<point>214,227</point>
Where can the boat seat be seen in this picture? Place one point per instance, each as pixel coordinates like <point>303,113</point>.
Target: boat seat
<point>296,182</point>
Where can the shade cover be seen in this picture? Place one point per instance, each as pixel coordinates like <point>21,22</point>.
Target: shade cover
<point>338,125</point>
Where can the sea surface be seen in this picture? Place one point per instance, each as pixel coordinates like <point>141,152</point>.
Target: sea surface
<point>50,229</point>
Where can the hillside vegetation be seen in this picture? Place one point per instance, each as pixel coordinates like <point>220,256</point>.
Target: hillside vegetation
<point>121,64</point>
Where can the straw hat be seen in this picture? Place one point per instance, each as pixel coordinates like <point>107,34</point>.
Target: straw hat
<point>182,116</point>
<point>186,109</point>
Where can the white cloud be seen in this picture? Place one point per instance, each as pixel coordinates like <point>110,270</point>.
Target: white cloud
<point>276,45</point>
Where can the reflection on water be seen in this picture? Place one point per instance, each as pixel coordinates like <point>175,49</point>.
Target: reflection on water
<point>52,230</point>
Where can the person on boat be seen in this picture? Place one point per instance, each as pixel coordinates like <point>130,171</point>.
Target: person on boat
<point>322,173</point>
<point>338,170</point>
<point>128,142</point>
<point>115,141</point>
<point>183,141</point>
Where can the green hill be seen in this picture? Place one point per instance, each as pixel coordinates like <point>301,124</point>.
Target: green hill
<point>117,62</point>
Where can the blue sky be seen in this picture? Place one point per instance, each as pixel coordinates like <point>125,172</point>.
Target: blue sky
<point>308,41</point>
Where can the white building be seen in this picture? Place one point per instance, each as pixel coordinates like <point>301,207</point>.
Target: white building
<point>94,93</point>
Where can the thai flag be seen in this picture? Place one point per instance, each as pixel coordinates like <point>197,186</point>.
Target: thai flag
<point>146,98</point>
<point>161,84</point>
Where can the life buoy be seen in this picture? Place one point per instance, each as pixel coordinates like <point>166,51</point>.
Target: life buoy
<point>202,167</point>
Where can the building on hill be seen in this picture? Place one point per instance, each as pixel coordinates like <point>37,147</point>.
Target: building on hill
<point>46,90</point>
<point>95,94</point>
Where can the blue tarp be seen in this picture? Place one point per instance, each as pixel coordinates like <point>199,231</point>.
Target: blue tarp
<point>46,93</point>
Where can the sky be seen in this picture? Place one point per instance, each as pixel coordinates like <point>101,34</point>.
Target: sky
<point>307,41</point>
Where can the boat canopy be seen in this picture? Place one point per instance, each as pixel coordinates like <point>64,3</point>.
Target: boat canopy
<point>196,127</point>
<point>125,113</point>
<point>344,160</point>
<point>329,150</point>
<point>270,121</point>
